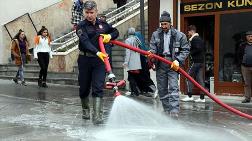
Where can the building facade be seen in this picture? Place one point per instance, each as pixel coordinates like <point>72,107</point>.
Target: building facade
<point>222,24</point>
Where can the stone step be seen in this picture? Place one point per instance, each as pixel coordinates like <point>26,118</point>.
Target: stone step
<point>117,58</point>
<point>118,53</point>
<point>63,81</point>
<point>14,67</point>
<point>117,48</point>
<point>35,73</point>
<point>117,70</point>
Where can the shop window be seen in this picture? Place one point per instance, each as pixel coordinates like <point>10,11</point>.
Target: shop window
<point>232,29</point>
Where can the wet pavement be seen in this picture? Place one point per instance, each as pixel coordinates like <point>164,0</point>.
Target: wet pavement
<point>29,113</point>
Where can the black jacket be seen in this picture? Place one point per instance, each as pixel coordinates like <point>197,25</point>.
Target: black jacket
<point>197,50</point>
<point>244,55</point>
<point>88,34</point>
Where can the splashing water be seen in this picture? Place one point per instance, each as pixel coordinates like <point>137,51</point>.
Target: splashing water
<point>130,120</point>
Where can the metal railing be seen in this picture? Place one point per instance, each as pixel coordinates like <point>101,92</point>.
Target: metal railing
<point>70,40</point>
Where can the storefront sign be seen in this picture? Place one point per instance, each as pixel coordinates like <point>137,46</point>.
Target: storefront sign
<point>214,5</point>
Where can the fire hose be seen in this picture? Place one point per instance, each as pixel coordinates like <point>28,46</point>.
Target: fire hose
<point>214,98</point>
<point>112,84</point>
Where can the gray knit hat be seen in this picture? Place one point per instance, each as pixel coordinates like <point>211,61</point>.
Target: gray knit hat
<point>248,33</point>
<point>165,17</point>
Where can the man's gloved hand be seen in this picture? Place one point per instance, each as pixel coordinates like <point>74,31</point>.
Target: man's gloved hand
<point>106,37</point>
<point>175,65</point>
<point>149,54</point>
<point>101,55</point>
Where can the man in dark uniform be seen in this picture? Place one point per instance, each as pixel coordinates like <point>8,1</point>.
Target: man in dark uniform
<point>91,60</point>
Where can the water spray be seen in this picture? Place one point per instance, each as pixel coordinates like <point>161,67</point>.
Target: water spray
<point>112,84</point>
<point>213,97</point>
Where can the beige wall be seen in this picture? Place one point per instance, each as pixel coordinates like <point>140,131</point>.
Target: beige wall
<point>134,22</point>
<point>167,6</point>
<point>63,63</point>
<point>11,9</point>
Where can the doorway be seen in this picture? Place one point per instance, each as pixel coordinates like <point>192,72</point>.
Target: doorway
<point>205,28</point>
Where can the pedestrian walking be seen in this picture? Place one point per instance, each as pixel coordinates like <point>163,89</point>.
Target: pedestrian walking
<point>20,51</point>
<point>196,70</point>
<point>144,83</point>
<point>42,52</point>
<point>133,62</point>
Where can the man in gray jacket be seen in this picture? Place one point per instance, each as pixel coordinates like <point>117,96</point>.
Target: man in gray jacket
<point>172,45</point>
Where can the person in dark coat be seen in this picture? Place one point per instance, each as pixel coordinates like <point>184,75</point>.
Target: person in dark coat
<point>20,51</point>
<point>120,3</point>
<point>244,55</point>
<point>197,52</point>
<point>91,60</point>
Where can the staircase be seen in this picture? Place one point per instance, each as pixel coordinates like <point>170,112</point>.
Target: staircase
<point>69,42</point>
<point>31,73</point>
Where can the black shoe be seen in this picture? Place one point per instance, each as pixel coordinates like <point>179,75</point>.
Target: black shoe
<point>246,101</point>
<point>15,80</point>
<point>44,85</point>
<point>23,83</point>
<point>40,82</point>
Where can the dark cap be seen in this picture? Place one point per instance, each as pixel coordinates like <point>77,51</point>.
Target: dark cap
<point>165,17</point>
<point>248,33</point>
<point>89,5</point>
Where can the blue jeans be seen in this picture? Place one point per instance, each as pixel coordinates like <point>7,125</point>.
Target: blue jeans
<point>20,71</point>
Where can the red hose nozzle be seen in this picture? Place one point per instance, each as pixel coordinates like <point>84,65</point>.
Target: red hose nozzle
<point>117,93</point>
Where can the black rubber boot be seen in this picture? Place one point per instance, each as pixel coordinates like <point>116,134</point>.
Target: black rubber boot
<point>97,116</point>
<point>85,108</point>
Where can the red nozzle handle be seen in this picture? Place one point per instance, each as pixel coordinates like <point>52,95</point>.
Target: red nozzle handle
<point>106,60</point>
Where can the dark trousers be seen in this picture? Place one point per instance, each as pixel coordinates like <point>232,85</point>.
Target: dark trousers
<point>91,74</point>
<point>196,71</point>
<point>247,76</point>
<point>144,81</point>
<point>133,78</point>
<point>43,60</point>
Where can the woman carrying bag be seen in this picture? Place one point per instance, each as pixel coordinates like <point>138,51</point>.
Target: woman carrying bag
<point>42,52</point>
<point>20,51</point>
